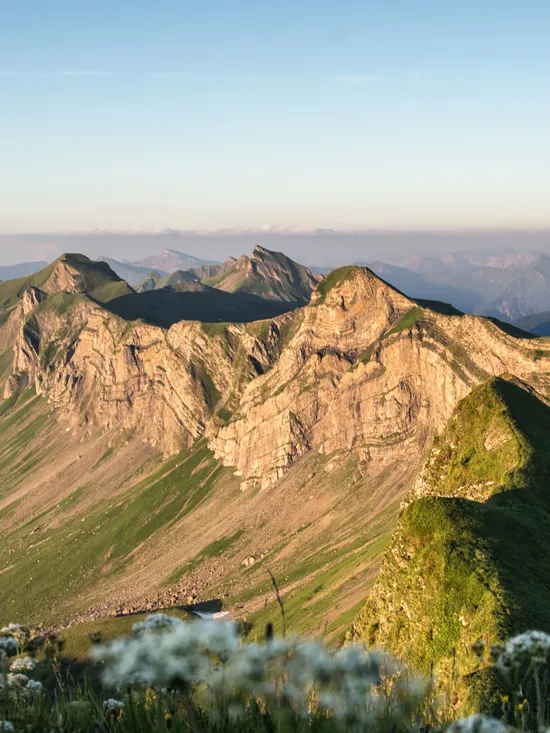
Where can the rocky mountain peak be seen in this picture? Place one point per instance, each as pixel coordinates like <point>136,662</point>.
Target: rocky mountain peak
<point>358,285</point>
<point>243,263</point>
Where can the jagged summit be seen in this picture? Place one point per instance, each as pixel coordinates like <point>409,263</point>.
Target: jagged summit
<point>271,275</point>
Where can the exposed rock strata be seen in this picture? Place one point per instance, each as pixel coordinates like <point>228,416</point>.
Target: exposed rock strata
<point>349,372</point>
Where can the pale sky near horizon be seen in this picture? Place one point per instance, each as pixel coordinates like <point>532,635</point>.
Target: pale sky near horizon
<point>221,113</point>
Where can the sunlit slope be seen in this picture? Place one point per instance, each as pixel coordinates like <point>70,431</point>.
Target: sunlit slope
<point>106,524</point>
<point>469,557</point>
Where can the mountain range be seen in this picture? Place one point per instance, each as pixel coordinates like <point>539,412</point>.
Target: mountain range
<point>511,285</point>
<point>506,284</point>
<point>151,457</point>
<point>10,272</point>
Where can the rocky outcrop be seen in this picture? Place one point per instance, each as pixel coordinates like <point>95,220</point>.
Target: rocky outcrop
<point>207,272</point>
<point>26,338</point>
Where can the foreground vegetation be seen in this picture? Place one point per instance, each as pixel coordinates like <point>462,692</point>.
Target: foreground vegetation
<point>206,676</point>
<point>468,557</point>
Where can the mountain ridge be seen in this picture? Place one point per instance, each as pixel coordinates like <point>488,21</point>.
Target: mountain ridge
<point>448,578</point>
<point>317,418</point>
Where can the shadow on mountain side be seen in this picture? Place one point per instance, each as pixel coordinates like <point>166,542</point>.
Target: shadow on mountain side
<point>215,605</point>
<point>512,527</point>
<point>445,309</point>
<point>510,329</point>
<point>165,307</point>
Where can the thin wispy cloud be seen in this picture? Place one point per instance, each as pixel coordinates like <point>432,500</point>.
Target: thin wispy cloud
<point>86,73</point>
<point>354,78</point>
<point>49,74</point>
<point>161,74</point>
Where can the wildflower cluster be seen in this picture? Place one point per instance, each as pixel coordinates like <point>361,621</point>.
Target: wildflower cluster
<point>532,647</point>
<point>113,708</point>
<point>8,646</point>
<point>209,658</point>
<point>20,685</point>
<point>23,664</point>
<point>477,724</point>
<point>13,638</point>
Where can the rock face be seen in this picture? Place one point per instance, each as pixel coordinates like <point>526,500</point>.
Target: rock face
<point>361,369</point>
<point>270,275</point>
<point>207,272</point>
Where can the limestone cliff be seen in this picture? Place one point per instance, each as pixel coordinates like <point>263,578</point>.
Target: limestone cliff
<point>361,369</point>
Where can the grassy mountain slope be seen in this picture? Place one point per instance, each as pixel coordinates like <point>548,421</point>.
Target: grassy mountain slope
<point>193,301</point>
<point>73,273</point>
<point>468,558</point>
<point>88,527</point>
<point>174,279</point>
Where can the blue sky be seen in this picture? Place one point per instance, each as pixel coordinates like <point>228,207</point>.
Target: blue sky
<point>398,114</point>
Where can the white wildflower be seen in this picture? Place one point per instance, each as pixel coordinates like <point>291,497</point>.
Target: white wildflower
<point>23,664</point>
<point>78,705</point>
<point>17,679</point>
<point>328,700</point>
<point>156,622</point>
<point>11,628</point>
<point>6,726</point>
<point>532,646</point>
<point>34,687</point>
<point>355,661</point>
<point>477,724</point>
<point>113,706</point>
<point>9,646</point>
<point>181,654</point>
<point>289,671</point>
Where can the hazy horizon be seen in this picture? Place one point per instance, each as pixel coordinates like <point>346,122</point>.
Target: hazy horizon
<point>321,248</point>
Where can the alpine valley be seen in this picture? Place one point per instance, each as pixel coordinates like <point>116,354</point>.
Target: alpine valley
<point>386,459</point>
